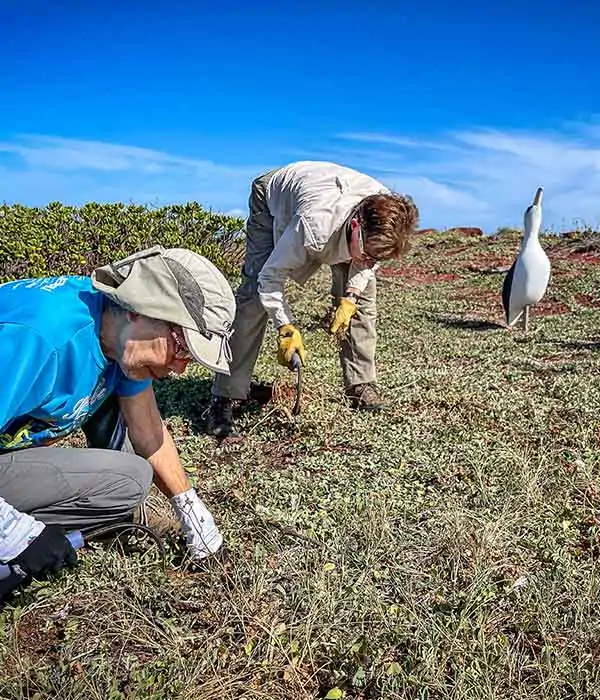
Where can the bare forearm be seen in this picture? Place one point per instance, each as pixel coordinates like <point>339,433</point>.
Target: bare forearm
<point>151,439</point>
<point>169,475</point>
<point>168,470</point>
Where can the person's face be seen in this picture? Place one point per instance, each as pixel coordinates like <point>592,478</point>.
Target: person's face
<point>150,349</point>
<point>357,245</point>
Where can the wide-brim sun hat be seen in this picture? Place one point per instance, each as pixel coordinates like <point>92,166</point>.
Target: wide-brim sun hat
<point>180,287</point>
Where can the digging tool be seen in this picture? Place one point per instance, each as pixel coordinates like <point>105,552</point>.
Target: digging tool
<point>297,366</point>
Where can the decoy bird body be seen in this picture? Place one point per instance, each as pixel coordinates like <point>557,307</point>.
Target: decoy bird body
<point>527,280</point>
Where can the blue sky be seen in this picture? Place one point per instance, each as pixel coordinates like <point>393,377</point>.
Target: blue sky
<point>467,107</point>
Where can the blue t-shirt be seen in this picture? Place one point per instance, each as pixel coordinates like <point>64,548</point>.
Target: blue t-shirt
<point>54,372</point>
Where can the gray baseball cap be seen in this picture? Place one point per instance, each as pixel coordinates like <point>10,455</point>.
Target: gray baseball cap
<point>180,287</point>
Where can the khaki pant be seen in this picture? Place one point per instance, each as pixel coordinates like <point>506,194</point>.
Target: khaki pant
<point>357,352</point>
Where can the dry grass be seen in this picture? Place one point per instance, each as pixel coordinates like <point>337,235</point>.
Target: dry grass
<point>445,549</point>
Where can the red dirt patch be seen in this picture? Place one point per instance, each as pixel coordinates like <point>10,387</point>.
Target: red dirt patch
<point>493,300</point>
<point>476,294</point>
<point>425,231</point>
<point>417,275</point>
<point>591,258</point>
<point>468,231</point>
<point>549,307</point>
<point>582,251</point>
<point>457,250</point>
<point>588,300</point>
<point>484,262</point>
<point>38,639</point>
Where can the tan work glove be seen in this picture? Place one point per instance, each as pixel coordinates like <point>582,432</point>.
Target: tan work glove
<point>343,314</point>
<point>290,341</point>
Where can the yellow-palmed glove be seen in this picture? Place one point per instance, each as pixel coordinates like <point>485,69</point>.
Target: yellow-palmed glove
<point>343,314</point>
<point>290,341</point>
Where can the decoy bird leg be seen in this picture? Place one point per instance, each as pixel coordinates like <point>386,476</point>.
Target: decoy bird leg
<point>526,319</point>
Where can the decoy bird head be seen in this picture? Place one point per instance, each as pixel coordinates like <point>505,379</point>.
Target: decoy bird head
<point>533,214</point>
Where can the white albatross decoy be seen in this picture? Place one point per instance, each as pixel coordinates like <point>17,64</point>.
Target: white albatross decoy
<point>527,280</point>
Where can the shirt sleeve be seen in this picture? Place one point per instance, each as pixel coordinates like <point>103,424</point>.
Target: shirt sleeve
<point>289,254</point>
<point>131,387</point>
<point>32,366</point>
<point>359,277</point>
<point>17,531</point>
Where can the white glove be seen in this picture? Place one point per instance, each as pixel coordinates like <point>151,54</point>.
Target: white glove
<point>201,534</point>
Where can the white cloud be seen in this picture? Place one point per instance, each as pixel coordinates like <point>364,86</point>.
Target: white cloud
<point>475,177</point>
<point>388,140</point>
<point>486,177</point>
<point>74,154</point>
<point>236,212</point>
<point>37,169</point>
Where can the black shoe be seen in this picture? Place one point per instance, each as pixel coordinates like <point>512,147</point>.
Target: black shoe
<point>220,418</point>
<point>261,392</point>
<point>365,397</point>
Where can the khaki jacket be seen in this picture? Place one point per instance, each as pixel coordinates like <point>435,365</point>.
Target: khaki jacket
<point>311,203</point>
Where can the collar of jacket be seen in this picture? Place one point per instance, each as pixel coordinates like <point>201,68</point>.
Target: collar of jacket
<point>341,238</point>
<point>338,244</point>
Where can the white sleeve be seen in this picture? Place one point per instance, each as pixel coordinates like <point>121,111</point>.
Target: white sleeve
<point>289,254</point>
<point>17,530</point>
<point>359,277</point>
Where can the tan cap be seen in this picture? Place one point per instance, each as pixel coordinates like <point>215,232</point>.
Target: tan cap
<point>180,287</point>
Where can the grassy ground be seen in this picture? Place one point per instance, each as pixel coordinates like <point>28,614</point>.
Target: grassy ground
<point>445,549</point>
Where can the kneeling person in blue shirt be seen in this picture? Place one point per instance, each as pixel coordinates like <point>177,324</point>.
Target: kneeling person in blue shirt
<point>81,352</point>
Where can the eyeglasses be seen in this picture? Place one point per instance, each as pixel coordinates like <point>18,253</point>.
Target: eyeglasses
<point>361,242</point>
<point>181,349</point>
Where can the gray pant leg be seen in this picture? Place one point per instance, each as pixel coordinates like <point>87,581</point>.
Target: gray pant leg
<point>74,488</point>
<point>79,488</point>
<point>357,350</point>
<point>250,317</point>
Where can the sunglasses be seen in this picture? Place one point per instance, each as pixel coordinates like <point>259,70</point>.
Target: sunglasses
<point>181,349</point>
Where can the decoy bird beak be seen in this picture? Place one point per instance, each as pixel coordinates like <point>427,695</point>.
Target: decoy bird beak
<point>538,196</point>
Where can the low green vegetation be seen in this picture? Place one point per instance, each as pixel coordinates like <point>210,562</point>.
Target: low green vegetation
<point>447,548</point>
<point>59,239</point>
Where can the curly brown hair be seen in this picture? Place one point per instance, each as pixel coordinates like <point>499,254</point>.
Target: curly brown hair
<point>388,221</point>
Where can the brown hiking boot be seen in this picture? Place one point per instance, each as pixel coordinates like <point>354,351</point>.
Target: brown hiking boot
<point>365,397</point>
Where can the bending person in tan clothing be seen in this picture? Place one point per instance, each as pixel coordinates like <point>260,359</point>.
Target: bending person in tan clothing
<point>302,216</point>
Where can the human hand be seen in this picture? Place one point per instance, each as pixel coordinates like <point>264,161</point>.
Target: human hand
<point>344,312</point>
<point>49,552</point>
<point>290,341</point>
<point>202,536</point>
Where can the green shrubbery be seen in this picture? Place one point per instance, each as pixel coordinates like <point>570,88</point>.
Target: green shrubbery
<point>59,239</point>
